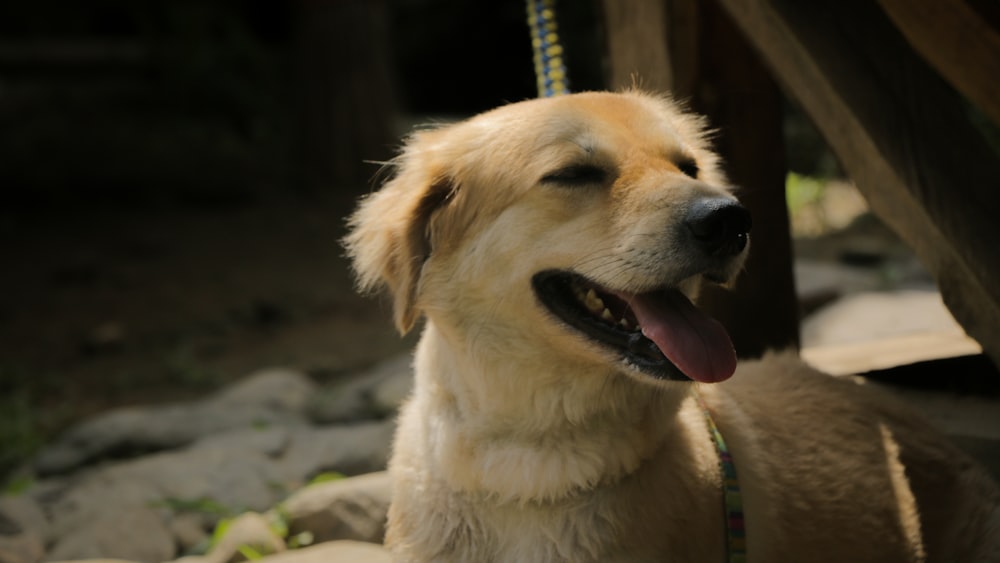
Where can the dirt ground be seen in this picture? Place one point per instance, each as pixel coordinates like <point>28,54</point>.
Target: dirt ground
<point>107,305</point>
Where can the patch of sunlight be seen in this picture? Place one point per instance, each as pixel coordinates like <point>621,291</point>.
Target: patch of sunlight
<point>817,206</point>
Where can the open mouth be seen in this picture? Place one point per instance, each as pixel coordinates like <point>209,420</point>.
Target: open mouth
<point>660,333</point>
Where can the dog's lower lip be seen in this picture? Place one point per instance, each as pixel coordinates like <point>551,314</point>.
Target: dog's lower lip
<point>555,290</point>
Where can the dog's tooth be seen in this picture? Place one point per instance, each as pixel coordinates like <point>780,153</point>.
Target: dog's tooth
<point>625,324</point>
<point>593,302</point>
<point>606,315</point>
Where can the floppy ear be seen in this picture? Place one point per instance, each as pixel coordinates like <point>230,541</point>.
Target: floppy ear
<point>388,239</point>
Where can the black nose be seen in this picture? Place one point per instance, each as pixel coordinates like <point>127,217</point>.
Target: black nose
<point>720,225</point>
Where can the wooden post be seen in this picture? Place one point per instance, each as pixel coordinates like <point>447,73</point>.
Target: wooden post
<point>345,104</point>
<point>742,100</point>
<point>901,134</point>
<point>637,43</point>
<point>710,63</point>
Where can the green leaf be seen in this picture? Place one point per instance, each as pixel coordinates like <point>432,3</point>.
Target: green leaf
<point>18,485</point>
<point>250,553</point>
<point>326,477</point>
<point>301,539</point>
<point>802,190</point>
<point>220,531</point>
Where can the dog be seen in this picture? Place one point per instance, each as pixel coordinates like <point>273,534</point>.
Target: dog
<point>567,391</point>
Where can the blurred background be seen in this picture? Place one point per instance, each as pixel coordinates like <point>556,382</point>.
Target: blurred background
<point>174,177</point>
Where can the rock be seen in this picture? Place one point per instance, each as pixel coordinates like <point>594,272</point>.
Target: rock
<point>348,509</point>
<point>247,530</point>
<point>21,548</point>
<point>881,314</point>
<point>189,531</point>
<point>278,388</point>
<point>267,441</point>
<point>22,514</point>
<point>355,399</point>
<point>98,560</point>
<point>389,394</point>
<point>814,277</point>
<point>344,551</point>
<point>241,449</point>
<point>265,399</point>
<point>348,449</point>
<point>237,477</point>
<point>238,470</point>
<point>92,500</point>
<point>135,533</point>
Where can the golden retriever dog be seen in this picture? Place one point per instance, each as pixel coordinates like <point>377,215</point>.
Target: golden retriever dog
<point>567,388</point>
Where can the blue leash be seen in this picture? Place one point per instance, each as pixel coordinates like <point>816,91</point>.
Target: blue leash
<point>550,69</point>
<point>732,498</point>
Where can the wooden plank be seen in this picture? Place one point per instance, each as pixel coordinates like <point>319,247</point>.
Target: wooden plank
<point>861,357</point>
<point>961,45</point>
<point>902,135</point>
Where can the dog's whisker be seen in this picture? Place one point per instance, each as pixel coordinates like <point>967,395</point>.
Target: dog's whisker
<point>602,253</point>
<point>597,262</point>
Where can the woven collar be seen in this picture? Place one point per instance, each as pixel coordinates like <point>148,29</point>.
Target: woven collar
<point>736,547</point>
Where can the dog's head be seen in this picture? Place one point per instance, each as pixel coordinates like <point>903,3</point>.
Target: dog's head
<point>581,225</point>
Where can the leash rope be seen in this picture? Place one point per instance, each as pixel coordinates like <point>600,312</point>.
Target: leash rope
<point>550,70</point>
<point>736,543</point>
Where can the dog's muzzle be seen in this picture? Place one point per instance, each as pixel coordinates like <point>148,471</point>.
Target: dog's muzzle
<point>659,331</point>
<point>720,226</point>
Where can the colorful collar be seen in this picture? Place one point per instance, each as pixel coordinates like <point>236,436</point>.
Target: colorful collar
<point>736,545</point>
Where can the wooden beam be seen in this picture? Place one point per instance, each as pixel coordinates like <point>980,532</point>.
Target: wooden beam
<point>959,43</point>
<point>902,135</point>
<point>860,357</point>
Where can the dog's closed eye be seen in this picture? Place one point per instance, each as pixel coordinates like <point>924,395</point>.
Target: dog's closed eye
<point>577,175</point>
<point>688,167</point>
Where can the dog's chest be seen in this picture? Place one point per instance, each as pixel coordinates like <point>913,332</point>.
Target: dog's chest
<point>608,525</point>
<point>570,530</point>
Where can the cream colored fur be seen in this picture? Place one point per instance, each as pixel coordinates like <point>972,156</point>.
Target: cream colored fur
<point>525,441</point>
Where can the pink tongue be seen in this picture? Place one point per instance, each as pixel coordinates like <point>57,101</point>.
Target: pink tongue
<point>696,343</point>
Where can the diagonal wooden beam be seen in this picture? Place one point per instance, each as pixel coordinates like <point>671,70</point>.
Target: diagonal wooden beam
<point>901,133</point>
<point>959,43</point>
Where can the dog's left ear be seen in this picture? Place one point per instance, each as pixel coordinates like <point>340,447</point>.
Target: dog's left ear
<point>389,240</point>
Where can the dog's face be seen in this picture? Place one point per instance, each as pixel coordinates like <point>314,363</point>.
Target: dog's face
<point>578,226</point>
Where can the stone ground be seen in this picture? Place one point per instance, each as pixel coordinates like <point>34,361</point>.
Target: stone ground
<point>135,344</point>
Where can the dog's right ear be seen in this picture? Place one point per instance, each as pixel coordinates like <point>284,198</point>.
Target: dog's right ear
<point>389,240</point>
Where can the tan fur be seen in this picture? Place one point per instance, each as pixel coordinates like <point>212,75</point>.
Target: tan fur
<point>525,441</point>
